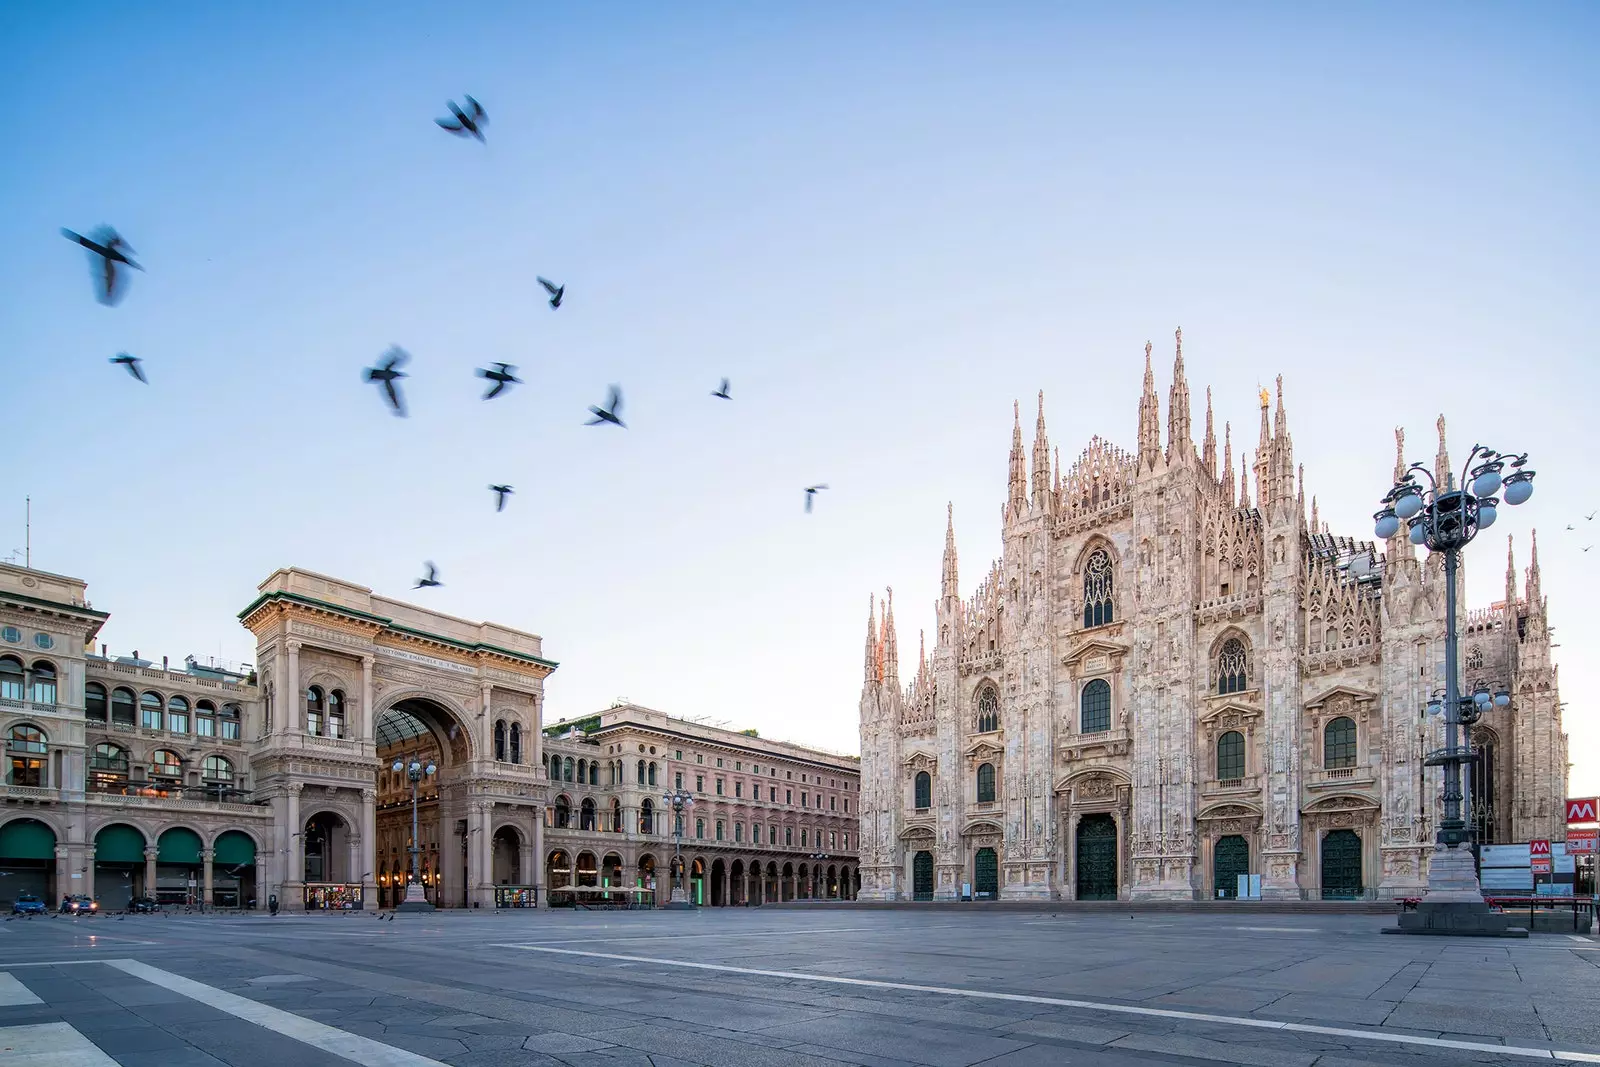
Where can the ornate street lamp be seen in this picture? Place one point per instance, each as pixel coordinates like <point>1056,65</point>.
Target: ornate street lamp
<point>677,800</point>
<point>416,899</point>
<point>1445,518</point>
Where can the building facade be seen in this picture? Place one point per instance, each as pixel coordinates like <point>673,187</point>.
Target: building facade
<point>201,786</point>
<point>1172,678</point>
<point>771,821</point>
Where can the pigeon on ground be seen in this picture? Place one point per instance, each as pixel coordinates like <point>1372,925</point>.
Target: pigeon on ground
<point>502,375</point>
<point>108,254</point>
<point>432,579</point>
<point>554,290</point>
<point>386,373</point>
<point>501,492</point>
<point>609,412</point>
<point>811,495</point>
<point>723,392</point>
<point>132,363</point>
<point>466,123</point>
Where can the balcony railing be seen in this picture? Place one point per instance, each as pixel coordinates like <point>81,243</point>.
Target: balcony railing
<point>28,792</point>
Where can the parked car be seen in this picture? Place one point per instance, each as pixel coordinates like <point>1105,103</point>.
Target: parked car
<point>27,904</point>
<point>143,904</point>
<point>79,905</point>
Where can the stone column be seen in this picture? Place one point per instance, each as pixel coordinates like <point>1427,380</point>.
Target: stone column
<point>537,740</point>
<point>369,847</point>
<point>292,885</point>
<point>293,699</point>
<point>205,877</point>
<point>369,721</point>
<point>486,737</point>
<point>88,872</point>
<point>261,888</point>
<point>150,871</point>
<point>481,858</point>
<point>535,877</point>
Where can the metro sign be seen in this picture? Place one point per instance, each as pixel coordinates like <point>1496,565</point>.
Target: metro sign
<point>1539,855</point>
<point>1584,809</point>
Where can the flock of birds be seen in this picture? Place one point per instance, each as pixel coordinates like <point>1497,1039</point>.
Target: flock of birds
<point>110,262</point>
<point>1589,517</point>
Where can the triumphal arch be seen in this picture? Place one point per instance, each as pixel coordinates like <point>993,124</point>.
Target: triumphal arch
<point>353,682</point>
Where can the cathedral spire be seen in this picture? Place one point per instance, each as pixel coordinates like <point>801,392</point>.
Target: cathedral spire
<point>1208,449</point>
<point>1149,416</point>
<point>870,667</point>
<point>1399,453</point>
<point>1441,462</point>
<point>1227,462</point>
<point>1180,441</point>
<point>1244,480</point>
<point>1041,460</point>
<point>1511,579</point>
<point>1399,544</point>
<point>1058,473</point>
<point>891,647</point>
<point>1263,452</point>
<point>1017,501</point>
<point>1533,576</point>
<point>949,588</point>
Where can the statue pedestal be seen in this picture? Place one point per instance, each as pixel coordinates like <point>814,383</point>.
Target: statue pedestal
<point>1453,906</point>
<point>415,900</point>
<point>678,901</point>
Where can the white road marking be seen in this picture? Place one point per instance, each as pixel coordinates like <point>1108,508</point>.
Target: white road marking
<point>1091,1005</point>
<point>1279,929</point>
<point>49,963</point>
<point>362,1050</point>
<point>49,1045</point>
<point>13,992</point>
<point>1579,937</point>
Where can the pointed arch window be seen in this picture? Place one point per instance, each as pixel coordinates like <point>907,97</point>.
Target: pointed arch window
<point>641,772</point>
<point>1095,707</point>
<point>988,710</point>
<point>986,783</point>
<point>924,791</point>
<point>1233,667</point>
<point>516,742</point>
<point>1339,743</point>
<point>500,740</point>
<point>1098,590</point>
<point>1230,756</point>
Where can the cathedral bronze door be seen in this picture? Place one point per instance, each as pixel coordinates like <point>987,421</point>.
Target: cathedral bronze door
<point>1097,858</point>
<point>922,876</point>
<point>1230,857</point>
<point>985,875</point>
<point>1341,865</point>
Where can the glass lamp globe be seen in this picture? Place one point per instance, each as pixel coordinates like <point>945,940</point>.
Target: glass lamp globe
<point>1435,707</point>
<point>432,768</point>
<point>1487,483</point>
<point>1518,489</point>
<point>1408,504</point>
<point>1388,524</point>
<point>398,766</point>
<point>1502,698</point>
<point>1481,698</point>
<point>1487,513</point>
<point>1418,534</point>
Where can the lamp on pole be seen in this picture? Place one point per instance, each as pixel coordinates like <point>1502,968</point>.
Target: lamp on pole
<point>677,800</point>
<point>1444,518</point>
<point>416,899</point>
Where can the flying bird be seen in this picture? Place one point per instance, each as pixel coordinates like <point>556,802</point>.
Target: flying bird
<point>1587,547</point>
<point>132,363</point>
<point>609,412</point>
<point>723,392</point>
<point>466,123</point>
<point>432,579</point>
<point>108,254</point>
<point>811,495</point>
<point>386,373</point>
<point>554,290</point>
<point>501,492</point>
<point>1591,515</point>
<point>502,376</point>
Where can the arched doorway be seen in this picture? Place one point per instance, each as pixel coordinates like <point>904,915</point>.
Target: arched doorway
<point>803,883</point>
<point>119,866</point>
<point>985,874</point>
<point>331,884</point>
<point>697,882</point>
<point>28,861</point>
<point>719,890</point>
<point>646,878</point>
<point>611,871</point>
<point>739,893</point>
<point>1097,857</point>
<point>771,890</point>
<point>922,876</point>
<point>233,870</point>
<point>1230,858</point>
<point>787,886</point>
<point>833,882</point>
<point>507,858</point>
<point>1341,865</point>
<point>179,869</point>
<point>421,731</point>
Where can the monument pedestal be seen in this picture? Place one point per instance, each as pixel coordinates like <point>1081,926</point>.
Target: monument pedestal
<point>678,901</point>
<point>416,899</point>
<point>1454,906</point>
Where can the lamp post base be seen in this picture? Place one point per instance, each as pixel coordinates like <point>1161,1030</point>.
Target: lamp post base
<point>678,901</point>
<point>416,899</point>
<point>1454,906</point>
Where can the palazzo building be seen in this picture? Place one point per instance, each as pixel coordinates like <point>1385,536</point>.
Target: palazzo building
<point>771,821</point>
<point>1172,677</point>
<point>206,787</point>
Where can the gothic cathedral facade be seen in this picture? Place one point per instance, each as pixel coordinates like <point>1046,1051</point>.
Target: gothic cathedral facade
<point>1165,683</point>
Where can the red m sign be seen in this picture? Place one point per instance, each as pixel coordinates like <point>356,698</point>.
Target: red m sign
<point>1583,809</point>
<point>1539,846</point>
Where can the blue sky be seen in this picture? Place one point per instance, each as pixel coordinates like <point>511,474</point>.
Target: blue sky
<point>884,222</point>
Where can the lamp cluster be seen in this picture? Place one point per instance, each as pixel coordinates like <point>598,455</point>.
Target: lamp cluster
<point>415,770</point>
<point>1473,705</point>
<point>1443,517</point>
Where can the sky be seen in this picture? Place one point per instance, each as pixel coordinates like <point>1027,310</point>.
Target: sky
<point>883,222</point>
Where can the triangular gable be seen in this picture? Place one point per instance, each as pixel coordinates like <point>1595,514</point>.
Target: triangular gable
<point>1342,690</point>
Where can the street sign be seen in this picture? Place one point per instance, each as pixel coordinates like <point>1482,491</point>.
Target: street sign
<point>1583,840</point>
<point>1583,809</point>
<point>1539,855</point>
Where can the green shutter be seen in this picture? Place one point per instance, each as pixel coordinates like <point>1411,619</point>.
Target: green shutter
<point>119,844</point>
<point>233,848</point>
<point>179,846</point>
<point>27,839</point>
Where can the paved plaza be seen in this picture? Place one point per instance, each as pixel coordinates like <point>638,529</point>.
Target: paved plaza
<point>783,987</point>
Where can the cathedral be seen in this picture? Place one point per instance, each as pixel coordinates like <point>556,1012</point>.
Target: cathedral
<point>1173,685</point>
